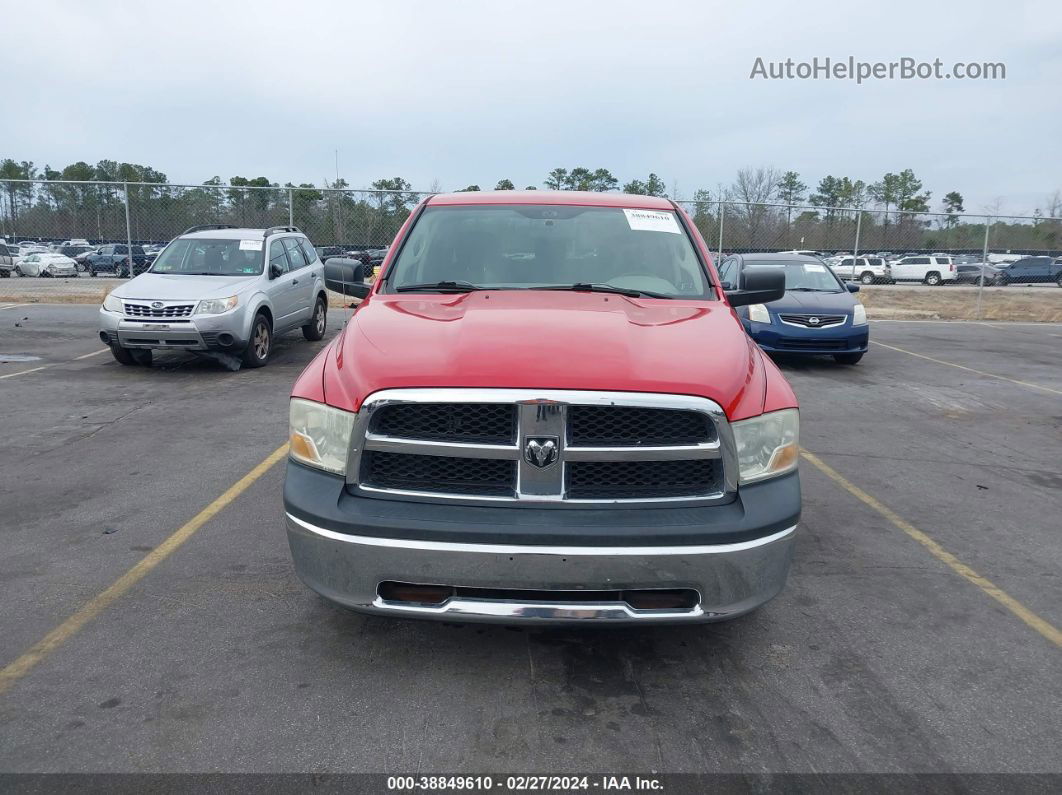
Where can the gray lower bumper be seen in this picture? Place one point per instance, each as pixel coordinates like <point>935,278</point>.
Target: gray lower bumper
<point>731,579</point>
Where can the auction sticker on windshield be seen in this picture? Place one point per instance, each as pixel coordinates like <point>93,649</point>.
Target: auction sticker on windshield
<point>651,221</point>
<point>250,245</point>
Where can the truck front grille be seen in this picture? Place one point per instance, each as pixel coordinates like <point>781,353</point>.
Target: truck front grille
<point>618,426</point>
<point>603,480</point>
<point>543,446</point>
<point>430,473</point>
<point>488,423</point>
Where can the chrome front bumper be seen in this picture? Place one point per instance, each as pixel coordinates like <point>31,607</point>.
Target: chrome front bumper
<point>731,579</point>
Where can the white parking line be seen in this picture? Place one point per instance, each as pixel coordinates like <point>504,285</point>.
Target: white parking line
<point>46,366</point>
<point>13,306</point>
<point>94,353</point>
<point>993,324</point>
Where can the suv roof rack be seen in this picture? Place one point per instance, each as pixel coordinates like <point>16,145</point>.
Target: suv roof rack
<point>276,230</point>
<point>203,227</point>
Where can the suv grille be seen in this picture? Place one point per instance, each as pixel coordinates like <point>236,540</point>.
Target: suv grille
<point>146,310</point>
<point>542,446</point>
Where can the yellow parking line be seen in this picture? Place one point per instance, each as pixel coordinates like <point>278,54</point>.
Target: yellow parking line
<point>970,369</point>
<point>62,633</point>
<point>1037,623</point>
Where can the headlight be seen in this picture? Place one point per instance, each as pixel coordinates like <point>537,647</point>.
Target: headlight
<point>859,315</point>
<point>215,306</point>
<point>113,303</point>
<point>320,435</point>
<point>767,445</point>
<point>758,313</point>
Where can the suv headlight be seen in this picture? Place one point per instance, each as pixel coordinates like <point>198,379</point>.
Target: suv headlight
<point>768,445</point>
<point>113,303</point>
<point>758,313</point>
<point>320,435</point>
<point>859,315</point>
<point>215,306</point>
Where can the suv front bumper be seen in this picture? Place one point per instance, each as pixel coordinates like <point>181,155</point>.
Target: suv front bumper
<point>197,333</point>
<point>734,556</point>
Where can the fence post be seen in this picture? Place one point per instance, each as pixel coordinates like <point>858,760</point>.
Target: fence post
<point>855,252</point>
<point>291,208</point>
<point>128,233</point>
<point>722,213</point>
<point>984,259</point>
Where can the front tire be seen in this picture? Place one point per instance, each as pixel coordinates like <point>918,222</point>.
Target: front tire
<point>18,271</point>
<point>933,279</point>
<point>256,354</point>
<point>848,358</point>
<point>315,329</point>
<point>131,357</point>
<point>867,278</point>
<point>1058,281</point>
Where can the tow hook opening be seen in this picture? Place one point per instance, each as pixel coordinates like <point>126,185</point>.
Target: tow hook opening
<point>636,598</point>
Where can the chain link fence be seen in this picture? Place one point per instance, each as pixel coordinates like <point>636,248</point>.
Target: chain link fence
<point>76,219</point>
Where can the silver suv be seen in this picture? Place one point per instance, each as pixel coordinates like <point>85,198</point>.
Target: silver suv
<point>222,290</point>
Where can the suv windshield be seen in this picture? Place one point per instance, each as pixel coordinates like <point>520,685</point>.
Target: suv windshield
<point>211,257</point>
<point>807,276</point>
<point>536,246</point>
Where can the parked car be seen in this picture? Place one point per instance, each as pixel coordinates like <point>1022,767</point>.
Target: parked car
<point>868,270</point>
<point>495,438</point>
<point>817,315</point>
<point>114,258</point>
<point>1032,270</point>
<point>973,272</point>
<point>45,264</point>
<point>73,250</point>
<point>221,290</point>
<point>929,270</point>
<point>7,261</point>
<point>25,249</point>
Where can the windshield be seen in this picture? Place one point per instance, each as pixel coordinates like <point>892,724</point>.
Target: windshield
<point>535,246</point>
<point>211,257</point>
<point>803,276</point>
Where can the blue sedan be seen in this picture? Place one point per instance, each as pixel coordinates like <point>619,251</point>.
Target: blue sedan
<point>817,316</point>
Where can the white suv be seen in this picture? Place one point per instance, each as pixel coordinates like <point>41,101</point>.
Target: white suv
<point>929,270</point>
<point>868,270</point>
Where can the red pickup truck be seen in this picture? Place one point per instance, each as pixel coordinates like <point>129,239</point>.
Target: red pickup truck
<point>545,410</point>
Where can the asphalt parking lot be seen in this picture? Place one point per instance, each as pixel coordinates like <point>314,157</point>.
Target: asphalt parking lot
<point>918,631</point>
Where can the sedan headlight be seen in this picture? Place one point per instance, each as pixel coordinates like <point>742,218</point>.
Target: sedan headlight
<point>768,445</point>
<point>859,315</point>
<point>113,303</point>
<point>320,435</point>
<point>758,313</point>
<point>215,306</point>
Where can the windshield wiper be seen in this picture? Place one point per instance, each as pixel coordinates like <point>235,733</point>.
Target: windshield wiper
<point>588,287</point>
<point>810,290</point>
<point>440,287</point>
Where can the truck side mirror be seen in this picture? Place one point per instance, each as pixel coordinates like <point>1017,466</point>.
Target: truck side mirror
<point>762,285</point>
<point>346,276</point>
<point>853,288</point>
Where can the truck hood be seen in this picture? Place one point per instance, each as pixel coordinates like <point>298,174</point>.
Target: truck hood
<point>546,339</point>
<point>172,286</point>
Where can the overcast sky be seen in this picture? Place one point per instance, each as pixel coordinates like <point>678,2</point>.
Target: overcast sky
<point>471,92</point>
